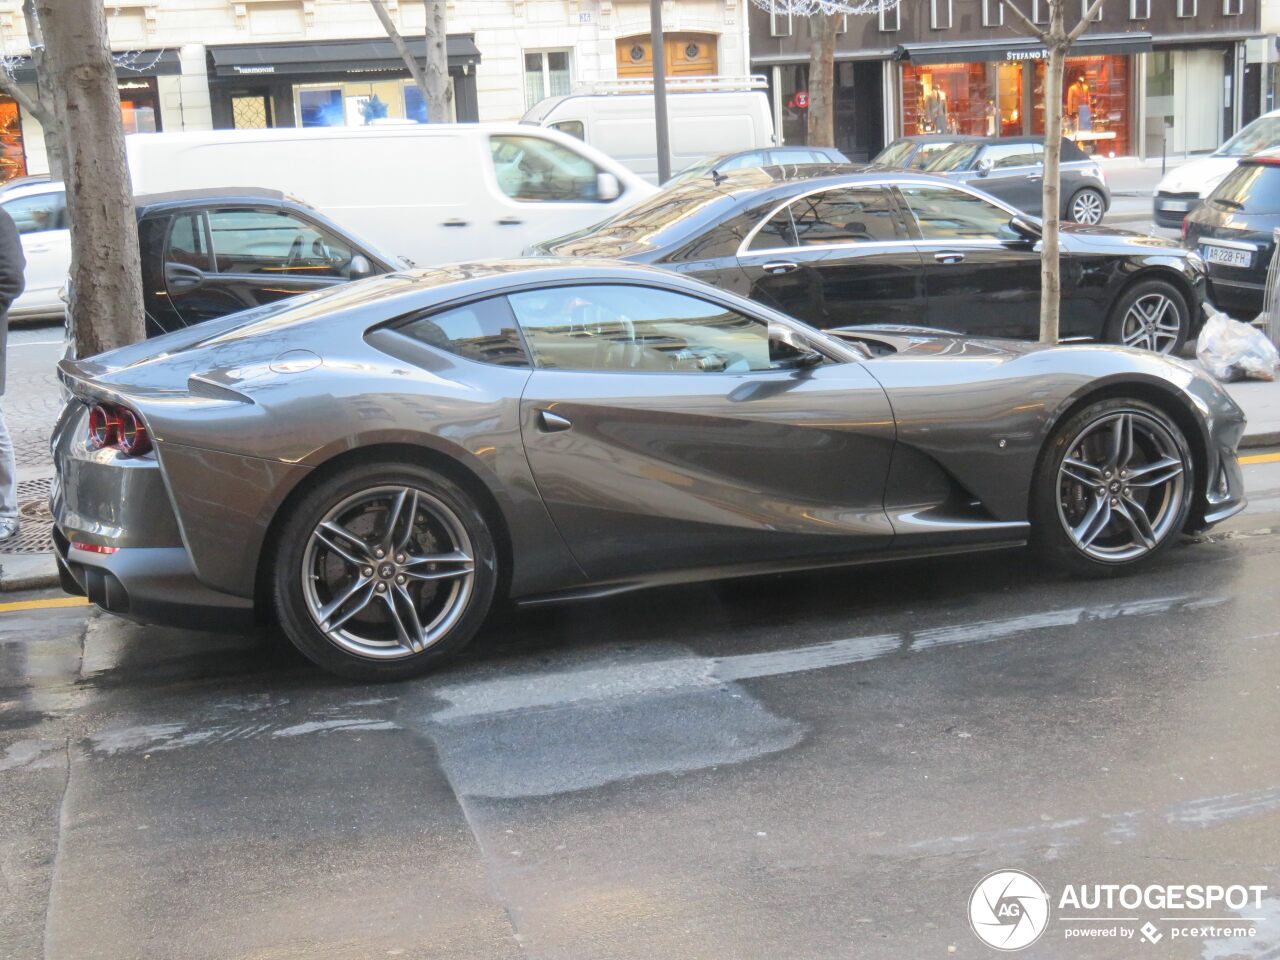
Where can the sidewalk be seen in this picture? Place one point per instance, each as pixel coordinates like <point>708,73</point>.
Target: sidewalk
<point>1260,400</point>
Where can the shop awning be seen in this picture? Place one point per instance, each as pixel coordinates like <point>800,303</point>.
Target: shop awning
<point>1017,49</point>
<point>134,63</point>
<point>329,57</point>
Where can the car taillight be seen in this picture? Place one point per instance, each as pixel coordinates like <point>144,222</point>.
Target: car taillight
<point>115,426</point>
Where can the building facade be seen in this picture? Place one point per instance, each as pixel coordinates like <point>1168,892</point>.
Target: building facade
<point>1149,76</point>
<point>205,64</point>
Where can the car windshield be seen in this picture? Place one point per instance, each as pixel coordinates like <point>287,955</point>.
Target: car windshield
<point>894,155</point>
<point>1262,133</point>
<point>958,156</point>
<point>1250,187</point>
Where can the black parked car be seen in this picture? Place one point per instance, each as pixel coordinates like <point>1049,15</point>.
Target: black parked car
<point>838,248</point>
<point>1012,169</point>
<point>207,253</point>
<point>1233,230</point>
<point>744,159</point>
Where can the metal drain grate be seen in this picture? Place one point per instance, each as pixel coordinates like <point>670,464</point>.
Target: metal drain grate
<point>36,533</point>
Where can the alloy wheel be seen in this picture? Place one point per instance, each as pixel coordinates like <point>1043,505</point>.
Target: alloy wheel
<point>1121,486</point>
<point>1152,322</point>
<point>1086,208</point>
<point>387,572</point>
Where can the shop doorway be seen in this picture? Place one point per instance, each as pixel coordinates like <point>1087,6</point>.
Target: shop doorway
<point>1185,101</point>
<point>859,105</point>
<point>686,55</point>
<point>251,111</point>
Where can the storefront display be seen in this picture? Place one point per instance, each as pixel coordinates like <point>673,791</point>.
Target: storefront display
<point>359,103</point>
<point>13,158</point>
<point>1007,99</point>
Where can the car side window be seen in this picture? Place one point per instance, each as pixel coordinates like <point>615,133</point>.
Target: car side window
<point>246,240</point>
<point>187,243</point>
<point>484,331</point>
<point>846,215</point>
<point>533,170</point>
<point>1005,155</point>
<point>777,232</point>
<point>38,213</point>
<point>943,213</point>
<point>619,327</point>
<point>573,128</point>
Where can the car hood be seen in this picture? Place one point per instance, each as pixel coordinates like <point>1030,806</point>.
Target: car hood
<point>601,246</point>
<point>1198,176</point>
<point>1100,239</point>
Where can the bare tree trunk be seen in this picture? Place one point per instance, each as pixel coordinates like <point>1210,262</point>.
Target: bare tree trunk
<point>402,48</point>
<point>1050,272</point>
<point>822,80</point>
<point>106,276</point>
<point>439,94</point>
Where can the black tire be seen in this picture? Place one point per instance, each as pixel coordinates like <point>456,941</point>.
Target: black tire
<point>1086,204</point>
<point>1122,322</point>
<point>1051,511</point>
<point>294,610</point>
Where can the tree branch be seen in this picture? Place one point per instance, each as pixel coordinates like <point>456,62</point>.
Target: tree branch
<point>11,88</point>
<point>1083,25</point>
<point>1041,35</point>
<point>402,48</point>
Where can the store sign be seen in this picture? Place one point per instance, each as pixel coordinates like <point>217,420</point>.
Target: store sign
<point>262,69</point>
<point>801,99</point>
<point>1040,54</point>
<point>133,85</point>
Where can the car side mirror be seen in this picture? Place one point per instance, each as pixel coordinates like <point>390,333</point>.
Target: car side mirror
<point>607,187</point>
<point>1025,226</point>
<point>984,166</point>
<point>359,267</point>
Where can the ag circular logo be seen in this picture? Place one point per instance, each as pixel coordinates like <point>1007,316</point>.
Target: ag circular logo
<point>1008,910</point>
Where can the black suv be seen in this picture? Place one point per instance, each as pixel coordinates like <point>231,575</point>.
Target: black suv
<point>1233,230</point>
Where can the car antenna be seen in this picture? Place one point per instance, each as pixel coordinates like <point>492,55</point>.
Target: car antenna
<point>718,178</point>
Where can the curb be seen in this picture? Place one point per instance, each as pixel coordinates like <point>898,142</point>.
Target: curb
<point>1252,441</point>
<point>28,571</point>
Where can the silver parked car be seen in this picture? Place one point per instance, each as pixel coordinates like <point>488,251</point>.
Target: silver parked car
<point>375,465</point>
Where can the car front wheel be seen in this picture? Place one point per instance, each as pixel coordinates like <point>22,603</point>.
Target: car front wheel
<point>1151,315</point>
<point>1087,207</point>
<point>1112,489</point>
<point>382,570</point>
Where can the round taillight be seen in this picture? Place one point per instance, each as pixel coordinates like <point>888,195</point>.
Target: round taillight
<point>104,426</point>
<point>133,435</point>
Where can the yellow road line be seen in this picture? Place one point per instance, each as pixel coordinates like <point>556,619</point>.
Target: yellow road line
<point>1262,458</point>
<point>51,603</point>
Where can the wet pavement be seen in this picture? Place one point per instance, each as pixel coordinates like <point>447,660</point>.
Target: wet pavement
<point>812,766</point>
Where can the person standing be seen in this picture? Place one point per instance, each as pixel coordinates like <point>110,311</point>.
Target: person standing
<point>12,265</point>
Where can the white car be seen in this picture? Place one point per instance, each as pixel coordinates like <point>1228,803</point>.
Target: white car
<point>39,209</point>
<point>1186,187</point>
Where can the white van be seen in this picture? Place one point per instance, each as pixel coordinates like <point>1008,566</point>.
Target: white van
<point>434,193</point>
<point>705,116</point>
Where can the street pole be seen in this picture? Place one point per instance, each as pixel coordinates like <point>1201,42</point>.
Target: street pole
<point>658,55</point>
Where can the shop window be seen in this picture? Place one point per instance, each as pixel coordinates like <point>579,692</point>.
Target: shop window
<point>546,74</point>
<point>1232,8</point>
<point>13,157</point>
<point>250,112</point>
<point>139,105</point>
<point>537,170</point>
<point>940,14</point>
<point>264,241</point>
<point>1139,9</point>
<point>1187,8</point>
<point>890,19</point>
<point>780,23</point>
<point>321,107</point>
<point>993,13</point>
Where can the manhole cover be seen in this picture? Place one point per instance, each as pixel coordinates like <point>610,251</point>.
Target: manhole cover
<point>36,533</point>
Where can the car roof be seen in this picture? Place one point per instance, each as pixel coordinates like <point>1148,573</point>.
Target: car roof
<point>181,197</point>
<point>33,188</point>
<point>942,138</point>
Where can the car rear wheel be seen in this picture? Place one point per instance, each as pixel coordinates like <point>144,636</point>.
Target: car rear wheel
<point>1151,315</point>
<point>1087,206</point>
<point>1112,489</point>
<point>382,570</point>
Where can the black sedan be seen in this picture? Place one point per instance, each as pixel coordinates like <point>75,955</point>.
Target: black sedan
<point>839,248</point>
<point>1234,232</point>
<point>207,253</point>
<point>743,159</point>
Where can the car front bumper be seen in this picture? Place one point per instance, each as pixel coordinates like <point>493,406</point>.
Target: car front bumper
<point>1169,210</point>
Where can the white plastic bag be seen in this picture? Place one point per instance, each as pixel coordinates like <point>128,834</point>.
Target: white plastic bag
<point>1231,350</point>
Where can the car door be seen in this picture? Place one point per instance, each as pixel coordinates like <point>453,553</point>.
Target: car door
<point>671,432</point>
<point>230,258</point>
<point>1012,172</point>
<point>41,219</point>
<point>980,275</point>
<point>837,256</point>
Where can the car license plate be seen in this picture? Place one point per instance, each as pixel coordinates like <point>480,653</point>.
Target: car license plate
<point>1227,256</point>
<point>1175,206</point>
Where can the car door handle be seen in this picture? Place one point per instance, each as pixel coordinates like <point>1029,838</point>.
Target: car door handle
<point>455,222</point>
<point>510,222</point>
<point>38,249</point>
<point>949,256</point>
<point>182,277</point>
<point>778,267</point>
<point>549,422</point>
<point>1035,176</point>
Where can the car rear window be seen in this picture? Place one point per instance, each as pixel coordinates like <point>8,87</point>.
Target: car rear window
<point>1250,187</point>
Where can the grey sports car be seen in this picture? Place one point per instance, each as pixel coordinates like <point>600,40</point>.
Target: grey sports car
<point>375,465</point>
